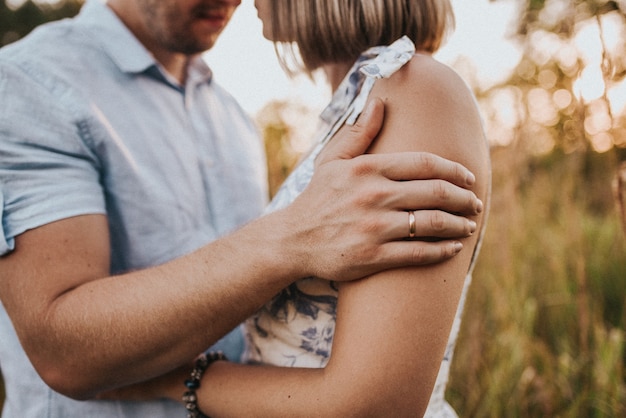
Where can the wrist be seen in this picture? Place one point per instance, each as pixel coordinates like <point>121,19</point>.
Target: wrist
<point>193,382</point>
<point>283,250</point>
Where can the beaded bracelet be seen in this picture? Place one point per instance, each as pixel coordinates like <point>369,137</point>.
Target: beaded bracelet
<point>190,398</point>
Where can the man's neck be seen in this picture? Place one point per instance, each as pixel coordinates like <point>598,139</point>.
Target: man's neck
<point>176,65</point>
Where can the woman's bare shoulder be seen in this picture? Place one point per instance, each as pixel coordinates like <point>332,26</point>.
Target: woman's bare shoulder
<point>425,80</point>
<point>429,107</point>
<point>429,93</point>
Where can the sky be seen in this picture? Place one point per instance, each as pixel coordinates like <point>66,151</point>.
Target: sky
<point>246,65</point>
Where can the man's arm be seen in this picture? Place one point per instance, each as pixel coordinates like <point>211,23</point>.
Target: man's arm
<point>86,331</point>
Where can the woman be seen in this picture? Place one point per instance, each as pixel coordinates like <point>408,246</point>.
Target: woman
<point>388,333</point>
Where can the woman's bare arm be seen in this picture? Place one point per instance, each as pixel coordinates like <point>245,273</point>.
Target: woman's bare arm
<point>392,328</point>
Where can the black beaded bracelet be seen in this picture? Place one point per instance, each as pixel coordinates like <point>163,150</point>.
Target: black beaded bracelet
<point>190,398</point>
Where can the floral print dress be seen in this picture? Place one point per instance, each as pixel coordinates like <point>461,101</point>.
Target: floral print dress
<point>296,328</point>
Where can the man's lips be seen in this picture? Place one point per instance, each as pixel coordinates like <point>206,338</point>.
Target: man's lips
<point>212,15</point>
<point>217,19</point>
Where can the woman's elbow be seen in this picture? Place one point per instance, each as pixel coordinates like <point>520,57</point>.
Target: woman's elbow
<point>366,397</point>
<point>371,405</point>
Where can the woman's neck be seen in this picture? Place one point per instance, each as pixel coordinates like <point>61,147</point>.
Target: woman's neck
<point>335,73</point>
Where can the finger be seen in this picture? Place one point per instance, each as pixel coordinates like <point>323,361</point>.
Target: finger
<point>439,224</point>
<point>442,195</point>
<point>418,166</point>
<point>417,253</point>
<point>425,194</point>
<point>354,140</point>
<point>429,224</point>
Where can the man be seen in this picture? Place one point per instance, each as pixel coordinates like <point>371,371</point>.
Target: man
<point>122,163</point>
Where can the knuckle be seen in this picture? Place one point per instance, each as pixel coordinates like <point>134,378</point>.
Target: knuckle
<point>374,196</point>
<point>440,190</point>
<point>459,172</point>
<point>372,226</point>
<point>356,129</point>
<point>361,167</point>
<point>419,254</point>
<point>437,221</point>
<point>473,201</point>
<point>447,251</point>
<point>426,161</point>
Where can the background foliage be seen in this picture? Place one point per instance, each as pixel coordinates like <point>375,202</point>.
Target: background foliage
<point>17,17</point>
<point>543,334</point>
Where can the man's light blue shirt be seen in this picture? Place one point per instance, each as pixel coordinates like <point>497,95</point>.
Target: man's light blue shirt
<point>91,124</point>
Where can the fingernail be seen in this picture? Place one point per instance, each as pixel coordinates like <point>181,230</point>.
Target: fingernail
<point>470,179</point>
<point>479,206</point>
<point>473,226</point>
<point>458,246</point>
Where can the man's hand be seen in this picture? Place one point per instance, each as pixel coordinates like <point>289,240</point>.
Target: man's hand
<point>354,215</point>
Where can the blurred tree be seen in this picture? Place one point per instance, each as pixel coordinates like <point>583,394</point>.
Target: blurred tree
<point>568,91</point>
<point>17,18</point>
<point>544,328</point>
<point>619,188</point>
<point>288,128</point>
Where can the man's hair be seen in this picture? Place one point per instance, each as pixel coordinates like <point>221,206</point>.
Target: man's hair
<point>330,31</point>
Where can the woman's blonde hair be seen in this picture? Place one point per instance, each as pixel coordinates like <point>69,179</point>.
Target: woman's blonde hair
<point>328,31</point>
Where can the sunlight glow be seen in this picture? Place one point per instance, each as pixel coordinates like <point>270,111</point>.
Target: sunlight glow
<point>547,79</point>
<point>598,124</point>
<point>598,119</point>
<point>562,98</point>
<point>540,142</point>
<point>602,142</point>
<point>590,85</point>
<point>617,97</point>
<point>503,115</point>
<point>245,64</point>
<point>613,32</point>
<point>546,46</point>
<point>16,4</point>
<point>482,36</point>
<point>589,42</point>
<point>541,108</point>
<point>555,10</point>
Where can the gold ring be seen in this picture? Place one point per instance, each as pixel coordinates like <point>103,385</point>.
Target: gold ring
<point>411,224</point>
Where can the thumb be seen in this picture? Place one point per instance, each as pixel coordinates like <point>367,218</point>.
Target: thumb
<point>352,141</point>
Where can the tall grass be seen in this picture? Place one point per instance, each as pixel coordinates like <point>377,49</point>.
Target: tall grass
<point>543,331</point>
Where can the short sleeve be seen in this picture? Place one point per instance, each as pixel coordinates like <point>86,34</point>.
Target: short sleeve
<point>47,170</point>
<point>6,245</point>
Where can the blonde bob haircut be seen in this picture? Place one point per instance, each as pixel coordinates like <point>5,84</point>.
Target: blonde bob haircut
<point>338,31</point>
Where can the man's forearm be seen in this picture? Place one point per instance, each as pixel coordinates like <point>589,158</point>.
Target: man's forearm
<point>118,330</point>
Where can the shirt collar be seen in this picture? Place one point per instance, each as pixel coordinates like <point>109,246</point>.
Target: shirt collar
<point>124,48</point>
